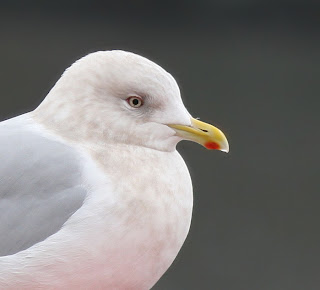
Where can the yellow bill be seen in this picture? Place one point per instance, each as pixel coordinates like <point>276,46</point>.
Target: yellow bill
<point>204,134</point>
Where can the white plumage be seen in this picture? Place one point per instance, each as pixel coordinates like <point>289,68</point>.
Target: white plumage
<point>102,199</point>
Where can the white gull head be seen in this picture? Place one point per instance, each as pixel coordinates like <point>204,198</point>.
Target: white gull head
<point>116,97</point>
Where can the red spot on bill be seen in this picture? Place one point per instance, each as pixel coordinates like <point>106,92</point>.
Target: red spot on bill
<point>212,145</point>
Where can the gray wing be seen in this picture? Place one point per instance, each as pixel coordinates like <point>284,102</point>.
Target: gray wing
<point>40,187</point>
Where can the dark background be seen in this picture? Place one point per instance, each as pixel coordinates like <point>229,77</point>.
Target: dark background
<point>249,67</point>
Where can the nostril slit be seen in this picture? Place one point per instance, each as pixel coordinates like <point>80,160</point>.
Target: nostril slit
<point>203,130</point>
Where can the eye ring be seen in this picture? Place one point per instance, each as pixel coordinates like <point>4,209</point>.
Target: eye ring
<point>135,102</point>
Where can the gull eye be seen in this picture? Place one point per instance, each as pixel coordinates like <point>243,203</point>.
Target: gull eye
<point>135,102</point>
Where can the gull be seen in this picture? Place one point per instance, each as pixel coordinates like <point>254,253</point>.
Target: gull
<point>93,193</point>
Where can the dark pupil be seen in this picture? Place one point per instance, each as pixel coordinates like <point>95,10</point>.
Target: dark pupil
<point>135,102</point>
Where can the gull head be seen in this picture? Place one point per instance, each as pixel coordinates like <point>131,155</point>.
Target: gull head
<point>118,97</point>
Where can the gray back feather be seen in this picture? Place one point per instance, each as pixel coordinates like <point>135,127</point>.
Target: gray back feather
<point>40,187</point>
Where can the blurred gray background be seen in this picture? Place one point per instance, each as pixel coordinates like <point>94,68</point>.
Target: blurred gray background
<point>249,67</point>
